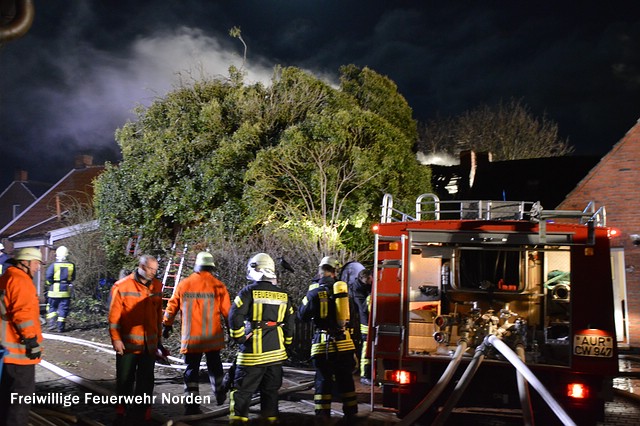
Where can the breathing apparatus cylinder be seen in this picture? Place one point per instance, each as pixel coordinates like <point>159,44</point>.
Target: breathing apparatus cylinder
<point>341,298</point>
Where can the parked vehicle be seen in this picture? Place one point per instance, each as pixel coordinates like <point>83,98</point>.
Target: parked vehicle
<point>493,307</point>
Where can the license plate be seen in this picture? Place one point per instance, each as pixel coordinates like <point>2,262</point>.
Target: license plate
<point>593,345</point>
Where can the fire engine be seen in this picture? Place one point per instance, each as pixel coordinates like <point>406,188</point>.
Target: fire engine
<point>492,308</point>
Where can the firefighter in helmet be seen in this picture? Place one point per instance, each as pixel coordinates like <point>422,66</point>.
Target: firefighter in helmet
<point>332,348</point>
<point>20,334</point>
<point>204,302</point>
<point>361,294</point>
<point>59,278</point>
<point>261,321</point>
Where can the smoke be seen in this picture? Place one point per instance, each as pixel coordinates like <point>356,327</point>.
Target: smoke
<point>437,159</point>
<point>91,92</point>
<point>99,96</point>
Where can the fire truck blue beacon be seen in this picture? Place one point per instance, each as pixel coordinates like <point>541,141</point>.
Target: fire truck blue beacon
<point>493,305</point>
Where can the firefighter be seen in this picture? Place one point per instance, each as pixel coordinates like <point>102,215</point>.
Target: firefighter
<point>4,258</point>
<point>20,334</point>
<point>135,316</point>
<point>201,299</point>
<point>332,349</point>
<point>360,290</point>
<point>59,278</point>
<point>261,320</point>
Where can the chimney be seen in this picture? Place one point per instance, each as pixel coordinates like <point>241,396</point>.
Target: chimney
<point>21,176</point>
<point>471,160</point>
<point>83,161</point>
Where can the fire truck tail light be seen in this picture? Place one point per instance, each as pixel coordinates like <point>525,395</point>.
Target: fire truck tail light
<point>375,228</point>
<point>577,390</point>
<point>401,377</point>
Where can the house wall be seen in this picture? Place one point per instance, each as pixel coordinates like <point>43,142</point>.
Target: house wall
<point>614,183</point>
<point>16,193</point>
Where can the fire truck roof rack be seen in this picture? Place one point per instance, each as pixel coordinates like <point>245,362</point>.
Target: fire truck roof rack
<point>430,204</point>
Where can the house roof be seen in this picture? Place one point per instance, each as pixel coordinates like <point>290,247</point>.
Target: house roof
<point>45,214</point>
<point>547,180</point>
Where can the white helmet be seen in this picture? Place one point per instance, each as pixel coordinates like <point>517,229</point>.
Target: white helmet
<point>29,253</point>
<point>61,253</point>
<point>204,258</point>
<point>261,267</point>
<point>331,261</point>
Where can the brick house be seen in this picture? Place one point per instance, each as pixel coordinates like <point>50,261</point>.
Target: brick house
<point>44,222</point>
<point>19,195</point>
<point>613,183</point>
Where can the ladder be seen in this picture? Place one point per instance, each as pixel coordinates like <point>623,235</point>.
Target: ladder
<point>174,269</point>
<point>133,246</point>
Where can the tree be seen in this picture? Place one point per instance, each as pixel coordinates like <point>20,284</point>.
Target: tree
<point>327,174</point>
<point>509,131</point>
<point>221,154</point>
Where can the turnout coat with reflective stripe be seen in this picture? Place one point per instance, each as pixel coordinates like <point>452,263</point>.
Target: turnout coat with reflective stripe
<point>201,298</point>
<point>22,317</point>
<point>270,319</point>
<point>59,275</point>
<point>136,313</point>
<point>319,306</point>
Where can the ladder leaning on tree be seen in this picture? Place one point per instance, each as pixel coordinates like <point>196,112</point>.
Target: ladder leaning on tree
<point>174,269</point>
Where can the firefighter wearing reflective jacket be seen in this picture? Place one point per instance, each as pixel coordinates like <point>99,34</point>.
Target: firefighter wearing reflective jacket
<point>332,349</point>
<point>135,316</point>
<point>361,294</point>
<point>202,300</point>
<point>60,276</point>
<point>261,320</point>
<point>20,334</point>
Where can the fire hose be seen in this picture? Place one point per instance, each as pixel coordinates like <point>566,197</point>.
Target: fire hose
<point>531,378</point>
<point>462,384</point>
<point>435,392</point>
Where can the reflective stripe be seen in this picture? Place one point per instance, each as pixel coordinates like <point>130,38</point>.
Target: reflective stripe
<point>238,333</point>
<point>263,358</point>
<point>24,324</point>
<point>323,296</point>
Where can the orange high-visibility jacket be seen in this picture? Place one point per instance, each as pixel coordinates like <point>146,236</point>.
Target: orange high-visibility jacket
<point>201,298</point>
<point>22,317</point>
<point>135,314</point>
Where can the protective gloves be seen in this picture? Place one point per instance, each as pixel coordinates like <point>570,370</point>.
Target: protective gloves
<point>166,330</point>
<point>33,348</point>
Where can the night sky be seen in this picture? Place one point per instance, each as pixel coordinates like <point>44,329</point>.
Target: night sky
<point>84,65</point>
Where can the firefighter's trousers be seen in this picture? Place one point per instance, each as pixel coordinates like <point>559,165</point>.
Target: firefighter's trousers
<point>248,379</point>
<point>192,372</point>
<point>21,380</point>
<point>134,376</point>
<point>58,312</point>
<point>336,368</point>
<point>365,363</point>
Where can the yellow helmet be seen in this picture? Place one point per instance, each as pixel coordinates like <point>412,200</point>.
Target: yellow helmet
<point>204,258</point>
<point>29,253</point>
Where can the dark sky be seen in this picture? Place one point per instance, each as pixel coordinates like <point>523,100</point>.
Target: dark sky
<point>84,65</point>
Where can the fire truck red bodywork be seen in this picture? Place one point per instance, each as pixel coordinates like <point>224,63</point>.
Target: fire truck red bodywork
<point>543,285</point>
